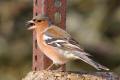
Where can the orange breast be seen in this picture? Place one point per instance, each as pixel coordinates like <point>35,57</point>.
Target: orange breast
<point>54,54</point>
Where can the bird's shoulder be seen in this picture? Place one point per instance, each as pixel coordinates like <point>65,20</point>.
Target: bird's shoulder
<point>56,32</point>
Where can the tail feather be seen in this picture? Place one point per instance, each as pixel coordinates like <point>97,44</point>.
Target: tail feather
<point>86,59</point>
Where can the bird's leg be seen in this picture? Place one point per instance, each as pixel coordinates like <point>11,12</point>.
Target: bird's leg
<point>50,66</point>
<point>61,68</point>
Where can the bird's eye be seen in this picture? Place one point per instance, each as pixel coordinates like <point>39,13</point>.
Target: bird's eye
<point>34,19</point>
<point>39,20</point>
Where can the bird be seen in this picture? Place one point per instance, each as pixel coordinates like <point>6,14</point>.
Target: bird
<point>58,45</point>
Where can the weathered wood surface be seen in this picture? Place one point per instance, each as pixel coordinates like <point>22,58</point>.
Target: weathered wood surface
<point>57,75</point>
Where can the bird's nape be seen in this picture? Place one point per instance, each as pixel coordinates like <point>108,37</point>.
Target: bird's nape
<point>40,17</point>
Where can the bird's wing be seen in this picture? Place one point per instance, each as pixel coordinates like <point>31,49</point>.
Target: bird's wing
<point>57,37</point>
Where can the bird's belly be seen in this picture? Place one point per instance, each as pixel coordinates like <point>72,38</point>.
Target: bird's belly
<point>57,56</point>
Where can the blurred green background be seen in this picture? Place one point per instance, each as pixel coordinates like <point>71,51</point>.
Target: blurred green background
<point>95,24</point>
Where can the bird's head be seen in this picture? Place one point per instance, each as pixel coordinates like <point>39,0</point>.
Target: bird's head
<point>37,21</point>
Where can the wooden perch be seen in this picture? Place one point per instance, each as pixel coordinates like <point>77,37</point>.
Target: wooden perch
<point>56,75</point>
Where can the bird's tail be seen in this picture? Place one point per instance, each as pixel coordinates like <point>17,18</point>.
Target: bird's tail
<point>88,60</point>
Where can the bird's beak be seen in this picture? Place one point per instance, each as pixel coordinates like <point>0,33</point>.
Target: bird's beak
<point>31,25</point>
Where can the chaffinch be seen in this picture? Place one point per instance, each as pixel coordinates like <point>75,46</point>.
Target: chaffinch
<point>57,44</point>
